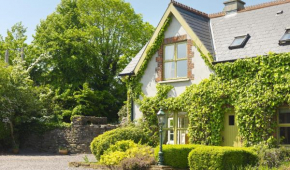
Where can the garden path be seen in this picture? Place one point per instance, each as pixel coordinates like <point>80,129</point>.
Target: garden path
<point>41,161</point>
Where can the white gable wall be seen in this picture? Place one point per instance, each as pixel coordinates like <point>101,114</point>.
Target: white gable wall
<point>200,71</point>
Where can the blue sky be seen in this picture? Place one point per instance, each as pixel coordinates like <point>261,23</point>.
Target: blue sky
<point>30,12</point>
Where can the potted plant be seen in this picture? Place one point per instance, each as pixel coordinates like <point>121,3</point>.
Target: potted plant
<point>15,148</point>
<point>62,150</point>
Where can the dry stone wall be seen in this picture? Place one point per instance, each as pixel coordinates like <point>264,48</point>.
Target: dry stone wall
<point>76,138</point>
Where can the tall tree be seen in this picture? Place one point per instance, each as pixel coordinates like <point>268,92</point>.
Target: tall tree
<point>89,40</point>
<point>19,101</point>
<point>13,42</point>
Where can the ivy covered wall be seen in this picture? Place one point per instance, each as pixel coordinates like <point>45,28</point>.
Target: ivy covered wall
<point>253,88</point>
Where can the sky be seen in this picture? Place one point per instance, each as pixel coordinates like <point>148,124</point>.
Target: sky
<point>30,12</point>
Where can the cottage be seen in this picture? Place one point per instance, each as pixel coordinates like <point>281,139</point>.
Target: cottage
<point>192,40</point>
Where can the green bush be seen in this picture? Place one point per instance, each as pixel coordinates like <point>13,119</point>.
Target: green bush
<point>125,149</point>
<point>285,152</point>
<point>139,162</point>
<point>175,155</point>
<point>271,157</point>
<point>101,143</point>
<point>221,158</point>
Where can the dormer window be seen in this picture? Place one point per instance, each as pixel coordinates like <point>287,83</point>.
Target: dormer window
<point>286,37</point>
<point>239,42</point>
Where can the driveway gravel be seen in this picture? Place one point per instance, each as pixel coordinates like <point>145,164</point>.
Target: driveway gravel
<point>42,161</point>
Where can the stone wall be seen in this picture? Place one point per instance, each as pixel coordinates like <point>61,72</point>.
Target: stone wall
<point>76,138</point>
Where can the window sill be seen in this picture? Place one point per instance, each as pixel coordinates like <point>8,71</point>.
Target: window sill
<point>174,81</point>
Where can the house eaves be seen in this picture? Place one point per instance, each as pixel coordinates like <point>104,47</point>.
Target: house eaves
<point>129,69</point>
<point>172,10</point>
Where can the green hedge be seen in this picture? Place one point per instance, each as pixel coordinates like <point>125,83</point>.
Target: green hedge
<point>221,158</point>
<point>103,142</point>
<point>175,155</point>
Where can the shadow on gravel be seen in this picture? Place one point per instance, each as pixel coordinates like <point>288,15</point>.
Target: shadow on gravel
<point>27,152</point>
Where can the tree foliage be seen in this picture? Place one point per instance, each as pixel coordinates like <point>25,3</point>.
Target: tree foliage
<point>13,42</point>
<point>19,100</point>
<point>90,41</point>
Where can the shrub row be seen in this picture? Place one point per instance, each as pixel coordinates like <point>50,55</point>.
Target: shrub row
<point>220,158</point>
<point>199,157</point>
<point>175,155</point>
<point>101,143</point>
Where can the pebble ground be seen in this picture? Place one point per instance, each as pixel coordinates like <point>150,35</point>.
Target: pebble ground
<point>41,161</point>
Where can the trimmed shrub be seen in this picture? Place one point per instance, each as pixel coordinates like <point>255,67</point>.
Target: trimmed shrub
<point>124,149</point>
<point>175,155</point>
<point>101,143</point>
<point>221,158</point>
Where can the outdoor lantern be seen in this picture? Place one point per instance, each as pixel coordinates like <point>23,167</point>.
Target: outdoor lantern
<point>161,120</point>
<point>161,117</point>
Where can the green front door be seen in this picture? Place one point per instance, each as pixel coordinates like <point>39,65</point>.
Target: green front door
<point>230,133</point>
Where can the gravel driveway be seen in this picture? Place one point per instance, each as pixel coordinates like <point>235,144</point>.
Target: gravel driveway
<point>36,161</point>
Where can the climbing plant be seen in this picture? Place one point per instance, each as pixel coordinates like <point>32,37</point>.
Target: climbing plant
<point>253,88</point>
<point>133,83</point>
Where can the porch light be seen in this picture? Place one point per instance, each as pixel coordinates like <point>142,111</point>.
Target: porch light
<point>161,117</point>
<point>161,122</point>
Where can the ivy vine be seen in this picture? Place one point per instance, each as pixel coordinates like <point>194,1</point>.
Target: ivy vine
<point>133,83</point>
<point>207,59</point>
<point>252,88</point>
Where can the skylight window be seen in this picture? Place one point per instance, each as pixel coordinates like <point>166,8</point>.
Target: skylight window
<point>239,42</point>
<point>286,37</point>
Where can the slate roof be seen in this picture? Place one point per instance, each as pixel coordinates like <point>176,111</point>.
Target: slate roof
<point>200,25</point>
<point>217,31</point>
<point>263,25</point>
<point>129,69</point>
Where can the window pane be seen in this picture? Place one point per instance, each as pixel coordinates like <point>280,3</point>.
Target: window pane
<point>169,137</point>
<point>170,122</point>
<point>238,41</point>
<point>284,116</point>
<point>182,68</point>
<point>285,135</point>
<point>169,52</point>
<point>231,120</point>
<point>182,120</point>
<point>181,50</point>
<point>286,36</point>
<point>182,137</point>
<point>169,70</point>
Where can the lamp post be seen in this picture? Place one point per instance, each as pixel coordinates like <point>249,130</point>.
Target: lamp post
<point>161,122</point>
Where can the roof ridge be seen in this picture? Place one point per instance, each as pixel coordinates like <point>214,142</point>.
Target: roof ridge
<point>189,8</point>
<point>264,5</point>
<point>253,7</point>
